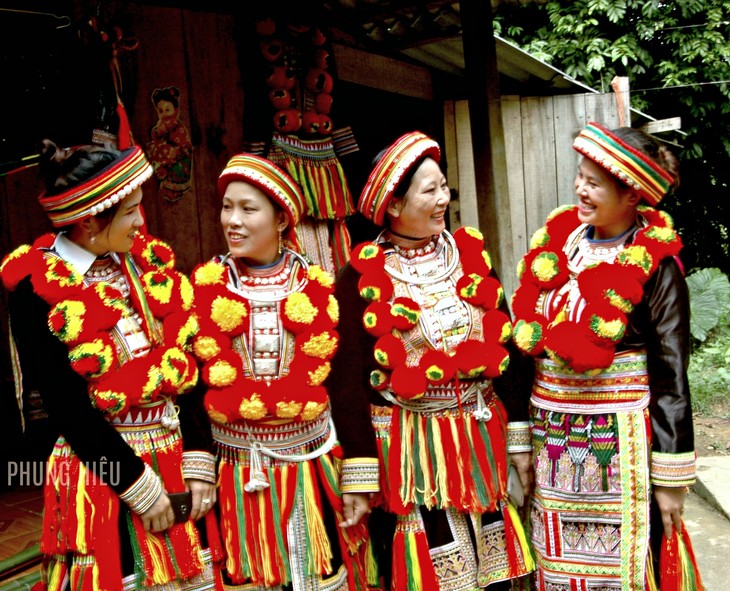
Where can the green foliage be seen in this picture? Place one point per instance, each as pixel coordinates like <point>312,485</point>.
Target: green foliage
<point>709,372</point>
<point>709,299</point>
<point>677,57</point>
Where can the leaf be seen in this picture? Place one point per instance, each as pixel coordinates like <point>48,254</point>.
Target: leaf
<point>709,300</point>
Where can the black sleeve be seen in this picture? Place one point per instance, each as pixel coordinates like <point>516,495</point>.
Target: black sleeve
<point>194,423</point>
<point>44,362</point>
<point>348,383</point>
<point>666,308</point>
<point>514,386</point>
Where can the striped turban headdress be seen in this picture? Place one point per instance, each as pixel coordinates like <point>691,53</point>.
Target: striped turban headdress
<point>276,184</point>
<point>388,172</point>
<point>632,167</point>
<point>99,192</point>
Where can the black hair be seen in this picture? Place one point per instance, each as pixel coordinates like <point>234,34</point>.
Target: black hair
<point>64,168</point>
<point>170,94</point>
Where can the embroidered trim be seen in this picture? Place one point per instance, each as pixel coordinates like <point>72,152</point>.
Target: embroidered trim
<point>360,475</point>
<point>144,492</point>
<point>199,465</point>
<point>519,437</point>
<point>673,469</point>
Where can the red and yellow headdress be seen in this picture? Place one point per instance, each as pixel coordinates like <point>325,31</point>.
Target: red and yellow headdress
<point>390,170</point>
<point>101,191</point>
<point>269,178</point>
<point>626,163</point>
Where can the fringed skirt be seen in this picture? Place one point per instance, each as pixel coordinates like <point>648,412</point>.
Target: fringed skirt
<point>590,510</point>
<point>445,521</point>
<point>88,531</point>
<point>280,505</point>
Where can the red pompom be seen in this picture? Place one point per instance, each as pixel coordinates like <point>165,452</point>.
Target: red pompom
<point>408,382</point>
<point>438,367</point>
<point>389,351</point>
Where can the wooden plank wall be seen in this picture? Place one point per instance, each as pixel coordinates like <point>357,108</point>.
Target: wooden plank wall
<point>541,164</point>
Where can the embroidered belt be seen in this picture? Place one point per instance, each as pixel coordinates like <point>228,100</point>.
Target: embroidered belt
<point>621,387</point>
<point>292,442</point>
<point>474,396</point>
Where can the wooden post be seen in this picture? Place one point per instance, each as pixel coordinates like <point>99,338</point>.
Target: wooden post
<point>490,166</point>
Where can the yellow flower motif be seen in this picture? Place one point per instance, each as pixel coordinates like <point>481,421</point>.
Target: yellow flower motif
<point>369,252</point>
<point>473,232</point>
<point>322,345</point>
<point>558,210</point>
<point>172,360</point>
<point>539,238</point>
<point>319,375</point>
<point>16,254</point>
<point>487,259</point>
<point>217,417</point>
<point>228,314</point>
<point>206,348</point>
<point>118,398</point>
<point>73,312</point>
<point>159,286</point>
<point>222,373</point>
<point>636,255</point>
<point>434,373</point>
<point>526,335</point>
<point>611,329</point>
<point>370,319</point>
<point>66,277</point>
<point>187,332</point>
<point>471,288</point>
<point>506,332</point>
<point>113,301</point>
<point>521,268</point>
<point>96,348</point>
<point>252,409</point>
<point>318,274</point>
<point>313,410</point>
<point>210,273</point>
<point>619,302</point>
<point>299,308</point>
<point>152,385</point>
<point>545,266</point>
<point>377,378</point>
<point>186,293</point>
<point>333,309</point>
<point>476,371</point>
<point>504,364</point>
<point>665,235</point>
<point>288,410</point>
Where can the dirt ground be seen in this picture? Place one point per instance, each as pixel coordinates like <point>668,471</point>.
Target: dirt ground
<point>712,435</point>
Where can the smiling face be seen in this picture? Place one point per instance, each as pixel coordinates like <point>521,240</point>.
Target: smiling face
<point>118,234</point>
<point>421,213</point>
<point>251,224</point>
<point>603,203</point>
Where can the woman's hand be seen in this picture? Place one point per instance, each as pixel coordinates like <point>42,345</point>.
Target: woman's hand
<point>671,504</point>
<point>355,506</point>
<point>204,496</point>
<point>523,462</point>
<point>159,516</point>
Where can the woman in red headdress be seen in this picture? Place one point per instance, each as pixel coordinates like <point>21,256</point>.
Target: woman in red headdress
<point>102,326</point>
<point>427,343</point>
<point>603,308</point>
<point>292,495</point>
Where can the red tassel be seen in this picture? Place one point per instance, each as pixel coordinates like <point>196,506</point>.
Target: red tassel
<point>395,477</point>
<point>669,564</point>
<point>124,134</point>
<point>399,579</point>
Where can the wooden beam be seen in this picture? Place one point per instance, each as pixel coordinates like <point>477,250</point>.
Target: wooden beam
<point>382,73</point>
<point>490,165</point>
<point>670,124</point>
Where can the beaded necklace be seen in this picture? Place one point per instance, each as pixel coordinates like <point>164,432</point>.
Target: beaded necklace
<point>387,318</point>
<point>84,315</point>
<point>610,289</point>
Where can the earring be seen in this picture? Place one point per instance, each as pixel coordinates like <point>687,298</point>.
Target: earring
<point>93,238</point>
<point>281,244</point>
